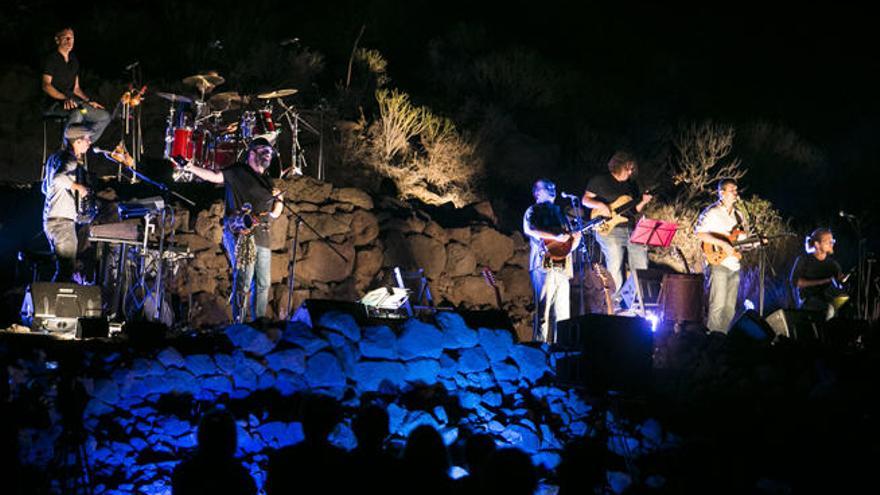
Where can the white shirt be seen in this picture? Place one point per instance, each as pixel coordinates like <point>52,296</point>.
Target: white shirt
<point>716,219</point>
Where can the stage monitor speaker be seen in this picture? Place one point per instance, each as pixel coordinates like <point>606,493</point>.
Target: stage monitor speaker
<point>796,324</point>
<point>57,307</point>
<point>311,310</point>
<point>751,327</point>
<point>615,352</point>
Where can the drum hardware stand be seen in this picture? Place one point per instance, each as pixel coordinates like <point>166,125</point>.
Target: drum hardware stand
<point>297,155</point>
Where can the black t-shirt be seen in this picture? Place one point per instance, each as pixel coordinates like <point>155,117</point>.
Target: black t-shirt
<point>549,218</point>
<point>809,268</point>
<point>63,73</point>
<point>243,185</point>
<point>607,189</point>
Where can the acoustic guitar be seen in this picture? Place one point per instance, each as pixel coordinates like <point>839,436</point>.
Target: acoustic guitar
<point>715,254</point>
<point>559,250</point>
<point>603,275</point>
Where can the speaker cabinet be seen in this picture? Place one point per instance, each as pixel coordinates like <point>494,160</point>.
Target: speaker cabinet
<point>796,324</point>
<point>750,326</point>
<point>606,352</point>
<point>57,307</point>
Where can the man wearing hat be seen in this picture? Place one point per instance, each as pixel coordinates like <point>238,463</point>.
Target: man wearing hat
<point>60,83</point>
<point>251,201</point>
<point>63,191</point>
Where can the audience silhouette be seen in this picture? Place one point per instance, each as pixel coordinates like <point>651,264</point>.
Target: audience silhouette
<point>213,469</point>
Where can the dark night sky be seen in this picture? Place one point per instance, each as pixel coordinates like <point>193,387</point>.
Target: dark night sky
<point>809,67</point>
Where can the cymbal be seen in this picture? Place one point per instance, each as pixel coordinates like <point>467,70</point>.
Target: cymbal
<point>207,80</point>
<point>229,100</point>
<point>278,93</point>
<point>173,98</point>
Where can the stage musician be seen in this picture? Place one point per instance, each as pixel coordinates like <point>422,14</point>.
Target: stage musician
<point>61,85</point>
<point>601,192</point>
<point>65,190</point>
<point>715,227</point>
<point>544,223</point>
<point>816,276</point>
<point>251,201</point>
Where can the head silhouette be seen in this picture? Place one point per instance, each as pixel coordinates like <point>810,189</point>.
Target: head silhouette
<point>217,434</point>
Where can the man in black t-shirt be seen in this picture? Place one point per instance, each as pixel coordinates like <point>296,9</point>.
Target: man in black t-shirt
<point>61,85</point>
<point>603,190</point>
<point>249,196</point>
<point>816,275</point>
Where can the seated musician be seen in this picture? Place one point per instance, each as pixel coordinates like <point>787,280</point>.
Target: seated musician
<point>816,276</point>
<point>602,191</point>
<point>60,210</point>
<point>714,227</point>
<point>60,83</point>
<point>544,221</point>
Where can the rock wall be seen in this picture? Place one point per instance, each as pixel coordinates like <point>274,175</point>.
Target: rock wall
<point>141,407</point>
<point>374,238</point>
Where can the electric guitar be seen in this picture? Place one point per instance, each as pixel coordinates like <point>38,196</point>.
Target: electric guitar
<point>715,254</point>
<point>619,207</point>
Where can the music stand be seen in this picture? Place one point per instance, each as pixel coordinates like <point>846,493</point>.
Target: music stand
<point>651,233</point>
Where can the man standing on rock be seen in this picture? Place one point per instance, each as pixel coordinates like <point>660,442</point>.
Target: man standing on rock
<point>251,201</point>
<point>550,264</point>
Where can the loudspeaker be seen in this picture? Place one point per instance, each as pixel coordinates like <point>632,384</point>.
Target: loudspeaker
<point>796,324</point>
<point>750,326</point>
<point>57,307</point>
<point>615,352</point>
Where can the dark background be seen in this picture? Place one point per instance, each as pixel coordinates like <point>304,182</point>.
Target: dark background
<point>623,68</point>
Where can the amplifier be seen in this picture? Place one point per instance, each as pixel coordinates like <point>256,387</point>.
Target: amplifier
<point>56,307</point>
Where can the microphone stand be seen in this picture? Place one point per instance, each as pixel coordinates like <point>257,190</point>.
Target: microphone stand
<point>582,256</point>
<point>863,286</point>
<point>762,257</point>
<point>291,265</point>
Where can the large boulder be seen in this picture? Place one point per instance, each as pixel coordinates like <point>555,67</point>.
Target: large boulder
<point>429,254</point>
<point>471,291</point>
<point>516,283</point>
<point>352,196</point>
<point>321,263</point>
<point>491,247</point>
<point>305,188</point>
<point>326,224</point>
<point>278,232</point>
<point>368,262</point>
<point>460,260</point>
<point>364,227</point>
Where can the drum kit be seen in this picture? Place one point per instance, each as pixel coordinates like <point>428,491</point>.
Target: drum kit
<point>198,131</point>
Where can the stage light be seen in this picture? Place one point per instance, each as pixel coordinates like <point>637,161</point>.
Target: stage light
<point>653,318</point>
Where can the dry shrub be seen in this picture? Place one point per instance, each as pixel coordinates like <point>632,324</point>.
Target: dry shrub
<point>701,149</point>
<point>399,121</point>
<point>375,64</point>
<point>685,242</point>
<point>425,156</point>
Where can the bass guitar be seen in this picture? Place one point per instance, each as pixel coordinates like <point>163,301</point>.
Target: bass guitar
<point>619,207</point>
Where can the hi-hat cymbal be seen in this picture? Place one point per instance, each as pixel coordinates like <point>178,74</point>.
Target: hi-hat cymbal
<point>229,100</point>
<point>278,93</point>
<point>173,98</point>
<point>206,81</point>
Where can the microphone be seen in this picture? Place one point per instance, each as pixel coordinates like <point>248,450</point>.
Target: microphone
<point>569,196</point>
<point>844,214</point>
<point>132,65</point>
<point>95,149</point>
